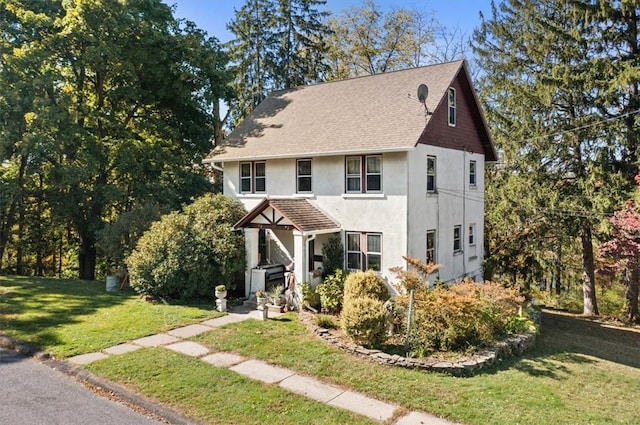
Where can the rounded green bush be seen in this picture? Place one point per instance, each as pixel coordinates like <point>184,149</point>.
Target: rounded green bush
<point>364,321</point>
<point>365,284</point>
<point>186,254</point>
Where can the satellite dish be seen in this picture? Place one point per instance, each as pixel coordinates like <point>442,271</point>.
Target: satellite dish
<point>423,92</point>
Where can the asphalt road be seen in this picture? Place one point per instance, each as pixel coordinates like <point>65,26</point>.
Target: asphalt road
<point>34,394</point>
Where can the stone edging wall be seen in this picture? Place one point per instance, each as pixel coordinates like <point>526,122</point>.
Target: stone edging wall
<point>514,345</point>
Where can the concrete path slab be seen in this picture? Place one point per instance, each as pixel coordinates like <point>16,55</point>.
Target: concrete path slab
<point>226,320</point>
<point>363,405</point>
<point>189,331</point>
<point>87,358</point>
<point>155,340</point>
<point>223,359</point>
<point>261,371</point>
<point>419,418</point>
<point>121,349</point>
<point>189,348</point>
<point>311,388</point>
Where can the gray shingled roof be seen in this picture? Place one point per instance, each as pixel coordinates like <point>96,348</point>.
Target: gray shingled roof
<point>374,113</point>
<point>304,216</point>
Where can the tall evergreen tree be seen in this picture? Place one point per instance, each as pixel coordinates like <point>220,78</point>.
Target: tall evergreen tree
<point>545,95</point>
<point>278,44</point>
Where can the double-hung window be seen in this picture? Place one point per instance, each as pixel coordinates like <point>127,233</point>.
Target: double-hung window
<point>431,246</point>
<point>303,176</point>
<point>472,234</point>
<point>431,174</point>
<point>472,174</point>
<point>457,239</point>
<point>363,174</point>
<point>364,251</point>
<point>451,96</point>
<point>253,177</point>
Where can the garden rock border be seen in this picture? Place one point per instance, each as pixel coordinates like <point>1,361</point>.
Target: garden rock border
<point>513,345</point>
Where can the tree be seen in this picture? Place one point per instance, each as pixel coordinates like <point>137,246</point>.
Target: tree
<point>278,44</point>
<point>622,253</point>
<point>367,41</point>
<point>186,254</point>
<point>121,107</point>
<point>544,91</point>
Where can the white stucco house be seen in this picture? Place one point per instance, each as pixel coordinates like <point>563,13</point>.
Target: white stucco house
<point>369,158</point>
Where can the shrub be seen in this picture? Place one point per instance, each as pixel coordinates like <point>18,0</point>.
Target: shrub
<point>365,284</point>
<point>310,298</point>
<point>462,317</point>
<point>331,291</point>
<point>185,253</point>
<point>332,255</point>
<point>363,320</point>
<point>326,321</point>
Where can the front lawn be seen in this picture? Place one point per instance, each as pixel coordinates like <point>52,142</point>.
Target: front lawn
<point>69,317</point>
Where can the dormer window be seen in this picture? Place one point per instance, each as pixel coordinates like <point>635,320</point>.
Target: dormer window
<point>451,95</point>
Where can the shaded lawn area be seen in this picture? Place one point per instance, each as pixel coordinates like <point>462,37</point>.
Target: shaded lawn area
<point>70,317</point>
<point>214,395</point>
<point>580,372</point>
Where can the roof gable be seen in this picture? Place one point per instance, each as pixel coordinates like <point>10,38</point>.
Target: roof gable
<point>377,113</point>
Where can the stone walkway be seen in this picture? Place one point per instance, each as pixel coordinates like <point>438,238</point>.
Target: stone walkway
<point>258,370</point>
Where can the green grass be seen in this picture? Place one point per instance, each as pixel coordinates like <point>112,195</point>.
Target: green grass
<point>567,379</point>
<point>69,317</point>
<point>580,371</point>
<point>214,395</point>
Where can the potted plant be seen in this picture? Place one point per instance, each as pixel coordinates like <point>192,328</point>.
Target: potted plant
<point>261,298</point>
<point>276,293</point>
<point>221,292</point>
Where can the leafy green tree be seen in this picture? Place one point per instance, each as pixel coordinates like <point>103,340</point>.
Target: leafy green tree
<point>186,254</point>
<point>365,40</point>
<point>543,89</point>
<point>116,109</point>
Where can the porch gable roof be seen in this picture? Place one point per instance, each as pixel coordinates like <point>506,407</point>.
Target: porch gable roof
<point>298,214</point>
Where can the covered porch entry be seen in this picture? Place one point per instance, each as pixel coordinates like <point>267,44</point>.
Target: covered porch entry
<point>288,231</point>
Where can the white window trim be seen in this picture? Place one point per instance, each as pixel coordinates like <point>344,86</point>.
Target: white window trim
<point>310,176</point>
<point>435,244</point>
<point>347,176</point>
<point>246,178</point>
<point>473,184</point>
<point>435,174</point>
<point>252,177</point>
<point>457,227</point>
<point>256,177</point>
<point>471,237</point>
<point>452,106</point>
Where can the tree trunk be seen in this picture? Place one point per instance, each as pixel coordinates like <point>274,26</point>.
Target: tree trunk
<point>87,258</point>
<point>588,272</point>
<point>631,295</point>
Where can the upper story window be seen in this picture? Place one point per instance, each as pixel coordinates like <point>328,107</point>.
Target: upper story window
<point>431,246</point>
<point>457,239</point>
<point>303,176</point>
<point>363,174</point>
<point>431,174</point>
<point>364,251</point>
<point>472,234</point>
<point>253,177</point>
<point>451,95</point>
<point>472,173</point>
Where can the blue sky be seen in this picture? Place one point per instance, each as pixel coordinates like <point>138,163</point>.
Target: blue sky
<point>213,15</point>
